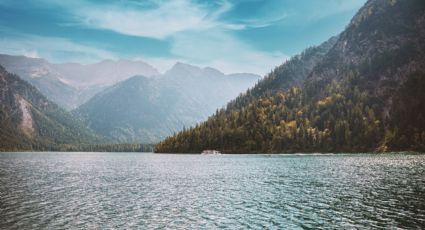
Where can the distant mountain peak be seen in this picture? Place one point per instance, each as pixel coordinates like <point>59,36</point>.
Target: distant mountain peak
<point>211,70</point>
<point>180,66</point>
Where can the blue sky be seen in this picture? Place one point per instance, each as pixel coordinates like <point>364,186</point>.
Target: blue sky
<point>231,35</point>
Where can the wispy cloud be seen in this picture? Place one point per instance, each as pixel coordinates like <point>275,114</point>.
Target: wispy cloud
<point>52,48</point>
<point>195,31</point>
<point>161,20</point>
<point>222,33</point>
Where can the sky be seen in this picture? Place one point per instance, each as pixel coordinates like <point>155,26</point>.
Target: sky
<point>230,35</point>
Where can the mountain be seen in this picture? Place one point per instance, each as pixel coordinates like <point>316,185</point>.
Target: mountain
<point>364,91</point>
<point>106,72</point>
<point>208,87</point>
<point>71,84</point>
<point>42,75</point>
<point>290,74</point>
<point>147,110</point>
<point>29,121</point>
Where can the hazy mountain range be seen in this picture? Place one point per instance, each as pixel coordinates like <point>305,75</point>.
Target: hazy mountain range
<point>143,109</point>
<point>117,101</point>
<point>71,84</point>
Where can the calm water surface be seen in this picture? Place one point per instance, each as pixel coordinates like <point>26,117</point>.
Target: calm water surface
<point>129,190</point>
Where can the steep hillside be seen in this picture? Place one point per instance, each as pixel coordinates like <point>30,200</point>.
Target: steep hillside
<point>290,74</point>
<point>147,110</point>
<point>383,44</point>
<point>367,93</point>
<point>29,121</point>
<point>41,74</point>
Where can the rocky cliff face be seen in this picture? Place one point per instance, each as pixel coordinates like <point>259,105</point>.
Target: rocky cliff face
<point>383,44</point>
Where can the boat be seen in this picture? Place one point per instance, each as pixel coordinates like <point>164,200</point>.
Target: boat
<point>210,152</point>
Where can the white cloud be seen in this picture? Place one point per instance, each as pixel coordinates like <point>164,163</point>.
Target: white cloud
<point>52,48</point>
<point>164,20</point>
<point>195,32</point>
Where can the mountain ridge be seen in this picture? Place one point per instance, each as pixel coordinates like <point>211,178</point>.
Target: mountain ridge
<point>157,107</point>
<point>365,94</point>
<point>71,84</point>
<point>29,121</point>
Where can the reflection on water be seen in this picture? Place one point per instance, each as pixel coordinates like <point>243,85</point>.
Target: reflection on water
<point>115,190</point>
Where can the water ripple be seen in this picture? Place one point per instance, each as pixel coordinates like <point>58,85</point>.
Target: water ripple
<point>108,190</point>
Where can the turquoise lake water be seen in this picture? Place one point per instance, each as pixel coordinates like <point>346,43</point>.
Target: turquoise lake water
<point>148,191</point>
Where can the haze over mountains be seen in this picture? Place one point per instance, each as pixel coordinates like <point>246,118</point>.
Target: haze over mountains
<point>71,84</point>
<point>106,72</point>
<point>128,101</point>
<point>143,109</point>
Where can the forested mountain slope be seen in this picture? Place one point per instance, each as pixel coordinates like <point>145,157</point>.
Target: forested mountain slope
<point>366,93</point>
<point>29,121</point>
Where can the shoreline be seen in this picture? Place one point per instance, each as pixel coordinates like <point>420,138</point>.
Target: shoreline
<point>233,154</point>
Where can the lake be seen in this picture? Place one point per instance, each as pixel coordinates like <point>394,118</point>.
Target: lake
<point>145,190</point>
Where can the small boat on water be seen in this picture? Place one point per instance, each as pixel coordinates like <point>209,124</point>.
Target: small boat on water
<point>211,152</point>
